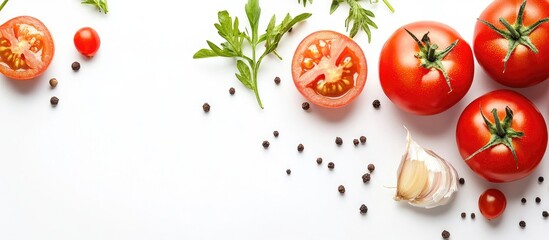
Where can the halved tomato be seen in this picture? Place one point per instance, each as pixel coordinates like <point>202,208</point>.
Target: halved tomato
<point>329,69</point>
<point>26,48</point>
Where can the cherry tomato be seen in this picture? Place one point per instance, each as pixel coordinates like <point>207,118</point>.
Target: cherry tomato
<point>426,67</point>
<point>502,136</point>
<point>329,69</point>
<point>492,203</point>
<point>26,48</point>
<point>87,41</point>
<point>509,64</point>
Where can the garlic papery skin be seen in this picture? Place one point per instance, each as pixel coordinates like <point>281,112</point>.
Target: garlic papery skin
<point>424,178</point>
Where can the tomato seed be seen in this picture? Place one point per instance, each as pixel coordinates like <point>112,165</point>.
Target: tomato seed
<point>371,167</point>
<point>75,66</point>
<point>363,209</point>
<point>376,104</point>
<point>305,106</point>
<point>206,107</point>
<point>341,189</point>
<point>461,181</point>
<point>339,141</point>
<point>355,142</point>
<point>275,133</point>
<point>445,234</point>
<point>366,177</point>
<point>53,82</point>
<point>266,144</point>
<point>363,139</point>
<point>331,165</point>
<point>54,101</point>
<point>319,160</point>
<point>300,147</point>
<point>231,90</point>
<point>277,80</point>
<point>522,224</point>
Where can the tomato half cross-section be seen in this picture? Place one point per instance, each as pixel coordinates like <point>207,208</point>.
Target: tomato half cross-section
<point>26,48</point>
<point>502,136</point>
<point>426,67</point>
<point>329,69</point>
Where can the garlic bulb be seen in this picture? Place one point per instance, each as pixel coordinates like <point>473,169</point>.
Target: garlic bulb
<point>424,178</point>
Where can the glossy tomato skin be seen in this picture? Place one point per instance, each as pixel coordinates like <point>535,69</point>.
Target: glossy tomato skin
<point>329,69</point>
<point>497,164</point>
<point>419,90</point>
<point>87,41</point>
<point>524,67</point>
<point>492,203</point>
<point>26,48</point>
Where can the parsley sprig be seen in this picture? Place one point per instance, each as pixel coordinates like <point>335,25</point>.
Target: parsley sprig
<point>305,2</point>
<point>101,5</point>
<point>248,66</point>
<point>359,17</point>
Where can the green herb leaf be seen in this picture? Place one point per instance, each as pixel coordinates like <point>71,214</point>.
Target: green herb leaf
<point>204,53</point>
<point>358,18</point>
<point>274,34</point>
<point>245,75</point>
<point>101,5</point>
<point>305,2</point>
<point>335,5</point>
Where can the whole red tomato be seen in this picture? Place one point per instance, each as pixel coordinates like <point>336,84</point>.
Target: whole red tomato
<point>514,51</point>
<point>502,136</point>
<point>492,203</point>
<point>87,41</point>
<point>429,73</point>
<point>329,69</point>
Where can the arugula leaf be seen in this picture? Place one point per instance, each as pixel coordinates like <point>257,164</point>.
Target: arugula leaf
<point>359,17</point>
<point>101,5</point>
<point>248,66</point>
<point>305,2</point>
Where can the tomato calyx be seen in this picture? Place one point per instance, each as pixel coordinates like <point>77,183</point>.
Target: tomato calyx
<point>517,34</point>
<point>501,132</point>
<point>429,57</point>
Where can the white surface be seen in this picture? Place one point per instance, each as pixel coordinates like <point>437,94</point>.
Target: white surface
<point>129,154</point>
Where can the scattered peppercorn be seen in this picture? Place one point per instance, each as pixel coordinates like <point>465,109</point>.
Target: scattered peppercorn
<point>206,107</point>
<point>538,200</point>
<point>305,106</point>
<point>371,167</point>
<point>75,66</point>
<point>288,171</point>
<point>366,177</point>
<point>461,181</point>
<point>231,90</point>
<point>53,82</point>
<point>522,224</point>
<point>319,160</point>
<point>540,179</point>
<point>363,209</point>
<point>363,139</point>
<point>277,80</point>
<point>473,215</point>
<point>300,147</point>
<point>341,189</point>
<point>331,165</point>
<point>339,141</point>
<point>355,142</point>
<point>445,234</point>
<point>54,101</point>
<point>275,133</point>
<point>266,144</point>
<point>463,215</point>
<point>545,214</point>
<point>376,104</point>
<point>523,200</point>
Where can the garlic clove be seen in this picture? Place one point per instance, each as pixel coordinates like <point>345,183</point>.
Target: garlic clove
<point>424,178</point>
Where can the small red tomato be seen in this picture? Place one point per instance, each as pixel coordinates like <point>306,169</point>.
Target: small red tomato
<point>87,41</point>
<point>492,203</point>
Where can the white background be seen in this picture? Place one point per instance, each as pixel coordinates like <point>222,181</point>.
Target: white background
<point>129,154</point>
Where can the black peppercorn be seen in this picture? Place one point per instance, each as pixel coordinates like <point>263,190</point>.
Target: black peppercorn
<point>75,66</point>
<point>545,214</point>
<point>53,82</point>
<point>339,141</point>
<point>275,133</point>
<point>305,106</point>
<point>355,142</point>
<point>366,177</point>
<point>523,200</point>
<point>463,215</point>
<point>206,107</point>
<point>231,90</point>
<point>522,224</point>
<point>540,179</point>
<point>538,199</point>
<point>445,234</point>
<point>288,171</point>
<point>54,101</point>
<point>461,181</point>
<point>277,80</point>
<point>363,209</point>
<point>331,165</point>
<point>300,147</point>
<point>473,215</point>
<point>319,160</point>
<point>371,167</point>
<point>363,139</point>
<point>341,189</point>
<point>376,104</point>
<point>266,144</point>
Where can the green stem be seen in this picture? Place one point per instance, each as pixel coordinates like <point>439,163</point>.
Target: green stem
<point>3,4</point>
<point>255,70</point>
<point>499,129</point>
<point>514,34</point>
<point>389,5</point>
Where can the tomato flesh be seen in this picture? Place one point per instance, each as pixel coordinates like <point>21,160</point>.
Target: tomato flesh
<point>329,69</point>
<point>26,48</point>
<point>492,203</point>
